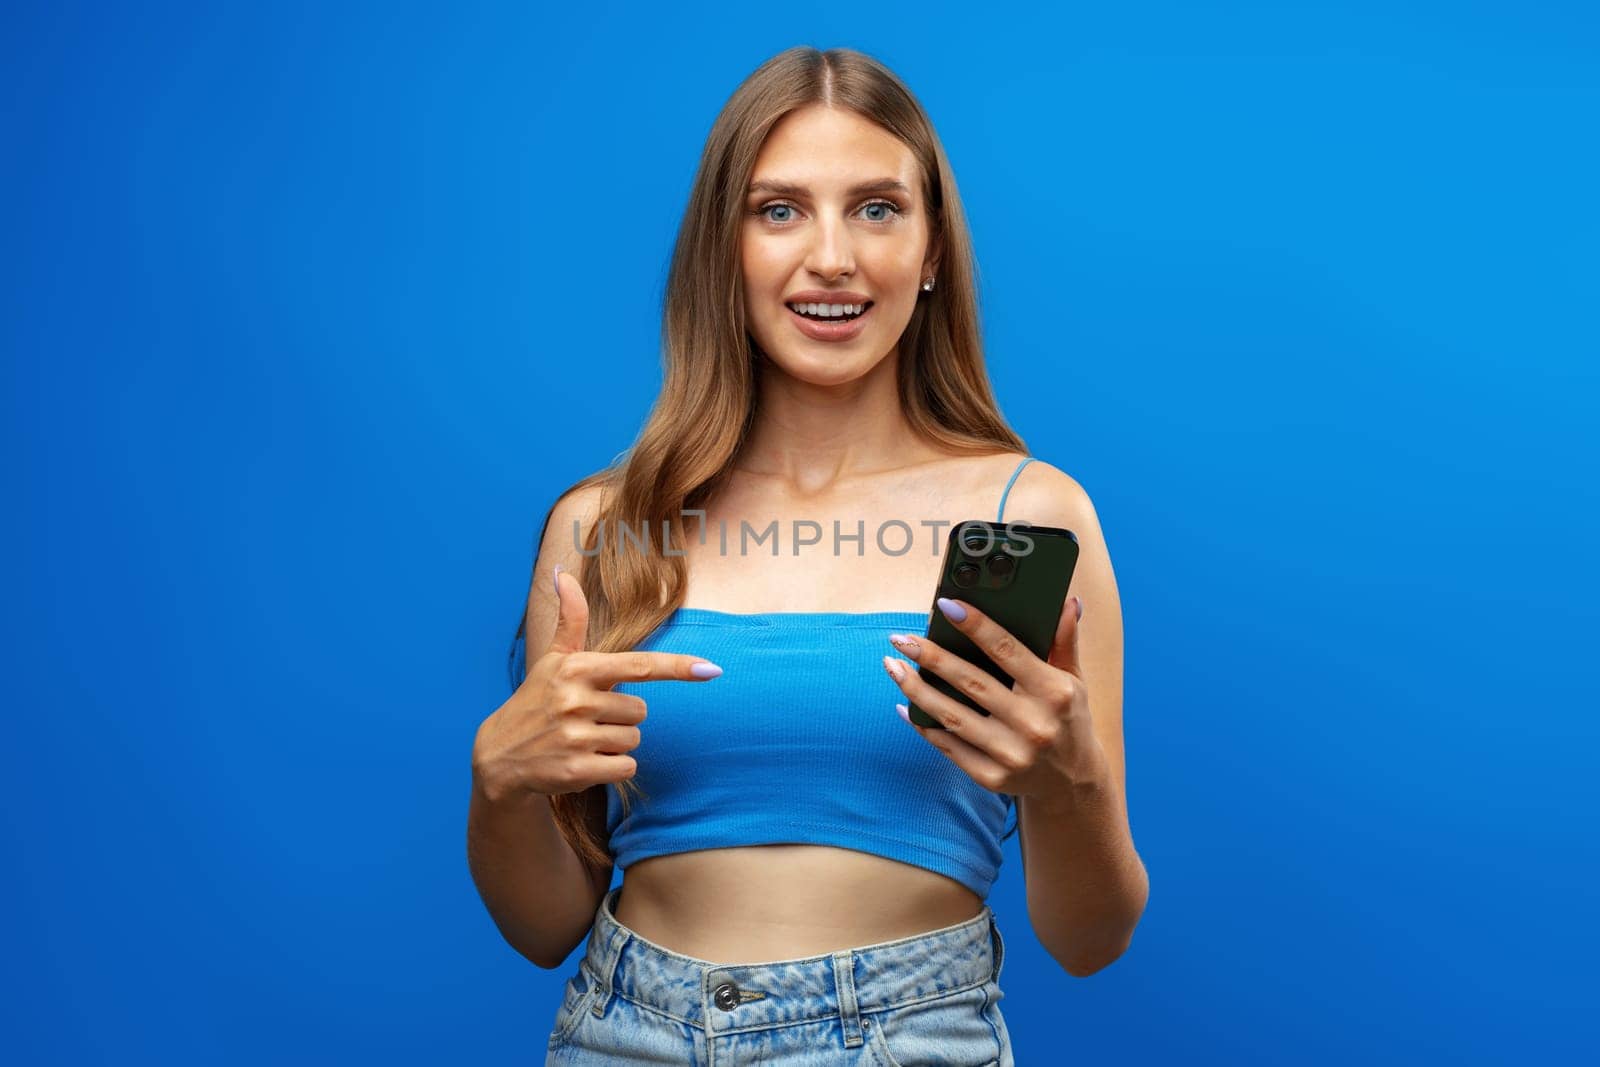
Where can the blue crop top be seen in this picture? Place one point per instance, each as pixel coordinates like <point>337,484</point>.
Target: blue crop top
<point>798,742</point>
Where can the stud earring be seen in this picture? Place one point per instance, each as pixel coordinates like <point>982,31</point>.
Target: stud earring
<point>927,285</point>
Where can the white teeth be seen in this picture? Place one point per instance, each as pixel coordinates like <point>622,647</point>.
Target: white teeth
<point>831,310</point>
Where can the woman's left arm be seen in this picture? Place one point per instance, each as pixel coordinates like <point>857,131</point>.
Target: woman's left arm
<point>1087,886</point>
<point>1054,740</point>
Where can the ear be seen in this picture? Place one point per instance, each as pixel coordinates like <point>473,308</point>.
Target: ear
<point>930,261</point>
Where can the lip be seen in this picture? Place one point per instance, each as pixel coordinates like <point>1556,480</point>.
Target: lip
<point>831,331</point>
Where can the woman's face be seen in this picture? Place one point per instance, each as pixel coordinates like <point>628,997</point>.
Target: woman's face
<point>834,214</point>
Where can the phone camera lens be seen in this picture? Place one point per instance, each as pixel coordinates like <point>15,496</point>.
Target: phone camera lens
<point>1001,564</point>
<point>966,575</point>
<point>975,544</point>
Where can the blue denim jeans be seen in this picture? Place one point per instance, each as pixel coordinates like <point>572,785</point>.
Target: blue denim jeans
<point>932,998</point>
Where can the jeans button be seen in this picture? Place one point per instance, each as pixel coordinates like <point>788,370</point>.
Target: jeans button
<point>726,996</point>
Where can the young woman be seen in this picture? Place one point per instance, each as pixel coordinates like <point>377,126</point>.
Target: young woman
<point>805,871</point>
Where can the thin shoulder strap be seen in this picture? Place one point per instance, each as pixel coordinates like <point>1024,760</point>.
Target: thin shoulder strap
<point>1001,518</point>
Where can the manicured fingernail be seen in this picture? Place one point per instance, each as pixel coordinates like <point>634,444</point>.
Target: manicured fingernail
<point>904,714</point>
<point>952,611</point>
<point>1077,605</point>
<point>705,669</point>
<point>555,578</point>
<point>894,667</point>
<point>905,644</point>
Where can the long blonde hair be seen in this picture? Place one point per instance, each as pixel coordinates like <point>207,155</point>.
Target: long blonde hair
<point>685,451</point>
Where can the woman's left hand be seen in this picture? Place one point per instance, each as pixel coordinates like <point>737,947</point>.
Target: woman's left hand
<point>1039,737</point>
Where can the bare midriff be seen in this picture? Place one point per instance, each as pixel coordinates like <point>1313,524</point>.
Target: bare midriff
<point>766,903</point>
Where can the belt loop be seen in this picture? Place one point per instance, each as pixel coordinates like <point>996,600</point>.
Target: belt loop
<point>844,981</point>
<point>999,944</point>
<point>610,956</point>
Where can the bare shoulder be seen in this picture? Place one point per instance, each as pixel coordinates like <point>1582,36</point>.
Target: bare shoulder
<point>1046,495</point>
<point>571,517</point>
<point>566,529</point>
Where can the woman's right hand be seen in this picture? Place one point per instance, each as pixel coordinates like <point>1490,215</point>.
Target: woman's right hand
<point>564,730</point>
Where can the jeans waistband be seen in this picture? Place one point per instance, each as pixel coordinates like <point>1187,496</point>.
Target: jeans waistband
<point>848,982</point>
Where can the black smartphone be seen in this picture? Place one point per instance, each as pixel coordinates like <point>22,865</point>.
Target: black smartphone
<point>1016,574</point>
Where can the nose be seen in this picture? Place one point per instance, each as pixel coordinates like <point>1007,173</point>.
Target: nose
<point>830,253</point>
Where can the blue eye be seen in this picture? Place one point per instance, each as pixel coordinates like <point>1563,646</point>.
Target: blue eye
<point>893,211</point>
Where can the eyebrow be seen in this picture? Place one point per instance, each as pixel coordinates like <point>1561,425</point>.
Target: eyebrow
<point>877,185</point>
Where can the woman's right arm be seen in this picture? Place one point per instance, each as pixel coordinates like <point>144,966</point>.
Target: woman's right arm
<point>540,894</point>
<point>530,879</point>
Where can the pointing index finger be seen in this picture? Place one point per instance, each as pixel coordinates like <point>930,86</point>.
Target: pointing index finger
<point>605,669</point>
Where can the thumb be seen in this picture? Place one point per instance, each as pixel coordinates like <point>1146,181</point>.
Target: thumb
<point>1064,648</point>
<point>572,616</point>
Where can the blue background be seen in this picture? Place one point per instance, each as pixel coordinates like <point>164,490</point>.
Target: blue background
<point>309,314</point>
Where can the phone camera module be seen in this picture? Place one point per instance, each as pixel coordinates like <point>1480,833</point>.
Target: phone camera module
<point>976,539</point>
<point>966,575</point>
<point>1001,564</point>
